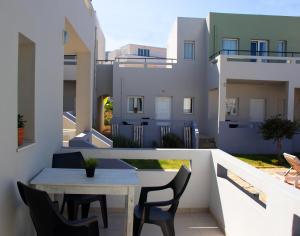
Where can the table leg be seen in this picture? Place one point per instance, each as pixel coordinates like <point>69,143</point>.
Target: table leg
<point>129,208</point>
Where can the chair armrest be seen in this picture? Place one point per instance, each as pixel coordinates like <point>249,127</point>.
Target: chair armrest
<point>159,204</point>
<point>146,190</point>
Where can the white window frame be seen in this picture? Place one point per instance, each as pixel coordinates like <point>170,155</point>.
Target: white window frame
<point>192,105</point>
<point>258,41</point>
<point>229,110</point>
<point>232,52</point>
<point>283,53</point>
<point>135,104</point>
<point>193,49</point>
<point>144,52</point>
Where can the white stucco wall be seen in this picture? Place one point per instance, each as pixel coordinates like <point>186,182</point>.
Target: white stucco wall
<point>172,42</point>
<point>185,79</point>
<point>43,22</point>
<point>259,71</point>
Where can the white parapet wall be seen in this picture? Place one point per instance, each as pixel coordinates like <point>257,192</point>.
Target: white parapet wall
<point>196,195</point>
<point>237,212</point>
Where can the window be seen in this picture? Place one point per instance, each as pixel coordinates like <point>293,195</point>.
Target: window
<point>282,48</point>
<point>26,88</point>
<point>188,105</point>
<point>232,106</point>
<point>70,60</point>
<point>259,48</point>
<point>230,46</point>
<point>143,52</point>
<point>135,104</point>
<point>189,50</point>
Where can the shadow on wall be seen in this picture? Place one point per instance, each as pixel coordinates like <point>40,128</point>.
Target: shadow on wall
<point>296,226</point>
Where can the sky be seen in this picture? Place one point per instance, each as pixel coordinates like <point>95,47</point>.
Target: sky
<point>149,22</point>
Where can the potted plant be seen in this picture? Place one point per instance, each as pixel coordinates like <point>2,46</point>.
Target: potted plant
<point>21,124</point>
<point>90,166</point>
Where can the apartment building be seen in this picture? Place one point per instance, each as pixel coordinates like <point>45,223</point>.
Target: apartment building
<point>35,36</point>
<point>226,73</point>
<point>252,75</point>
<point>136,51</point>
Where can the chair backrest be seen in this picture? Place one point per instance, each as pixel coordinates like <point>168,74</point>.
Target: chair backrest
<point>45,217</point>
<point>178,184</point>
<point>72,160</point>
<point>293,161</point>
<point>180,181</point>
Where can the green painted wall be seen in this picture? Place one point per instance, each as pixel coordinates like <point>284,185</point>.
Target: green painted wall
<point>249,27</point>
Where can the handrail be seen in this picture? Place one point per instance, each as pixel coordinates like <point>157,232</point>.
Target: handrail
<point>137,60</point>
<point>103,62</point>
<point>145,59</point>
<point>258,53</point>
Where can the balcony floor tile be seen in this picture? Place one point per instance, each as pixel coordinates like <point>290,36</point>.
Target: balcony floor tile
<point>186,224</point>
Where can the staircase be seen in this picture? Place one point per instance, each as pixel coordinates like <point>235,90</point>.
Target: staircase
<point>88,139</point>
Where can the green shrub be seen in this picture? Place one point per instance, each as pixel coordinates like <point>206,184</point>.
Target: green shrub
<point>123,142</point>
<point>277,129</point>
<point>172,141</point>
<point>90,163</point>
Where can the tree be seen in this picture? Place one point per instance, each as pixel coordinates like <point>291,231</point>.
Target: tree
<point>276,129</point>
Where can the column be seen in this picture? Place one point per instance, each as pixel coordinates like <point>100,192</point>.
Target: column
<point>290,90</point>
<point>84,88</point>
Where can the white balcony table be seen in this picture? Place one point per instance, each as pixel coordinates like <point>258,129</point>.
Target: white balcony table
<point>105,181</point>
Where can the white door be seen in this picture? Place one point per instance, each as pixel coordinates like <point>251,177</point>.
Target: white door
<point>257,110</point>
<point>163,108</point>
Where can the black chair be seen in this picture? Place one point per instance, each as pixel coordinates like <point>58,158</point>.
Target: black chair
<point>75,160</point>
<point>150,212</point>
<point>48,221</point>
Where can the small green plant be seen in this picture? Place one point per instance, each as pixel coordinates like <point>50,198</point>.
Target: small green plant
<point>123,142</point>
<point>277,129</point>
<point>90,163</point>
<point>172,141</point>
<point>21,121</point>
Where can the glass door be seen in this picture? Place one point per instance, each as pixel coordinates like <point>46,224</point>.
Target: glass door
<point>259,48</point>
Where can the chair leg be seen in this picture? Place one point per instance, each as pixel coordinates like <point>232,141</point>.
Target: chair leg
<point>63,206</point>
<point>85,210</point>
<point>137,227</point>
<point>103,205</point>
<point>168,228</point>
<point>72,210</point>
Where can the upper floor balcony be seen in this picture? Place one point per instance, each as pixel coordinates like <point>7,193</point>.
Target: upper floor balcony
<point>257,56</point>
<point>140,62</point>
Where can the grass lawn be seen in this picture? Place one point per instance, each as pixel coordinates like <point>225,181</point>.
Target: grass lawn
<point>261,161</point>
<point>158,164</point>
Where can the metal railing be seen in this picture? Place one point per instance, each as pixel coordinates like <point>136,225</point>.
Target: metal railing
<point>105,62</point>
<point>254,53</point>
<point>143,60</point>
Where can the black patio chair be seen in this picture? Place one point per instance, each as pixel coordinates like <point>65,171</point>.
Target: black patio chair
<point>151,212</point>
<point>48,221</point>
<point>75,160</point>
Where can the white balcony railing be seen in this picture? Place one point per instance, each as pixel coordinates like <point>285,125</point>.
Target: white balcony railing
<point>258,57</point>
<point>237,212</point>
<point>141,62</point>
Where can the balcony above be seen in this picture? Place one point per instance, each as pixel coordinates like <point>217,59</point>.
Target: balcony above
<point>254,53</point>
<point>140,62</point>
